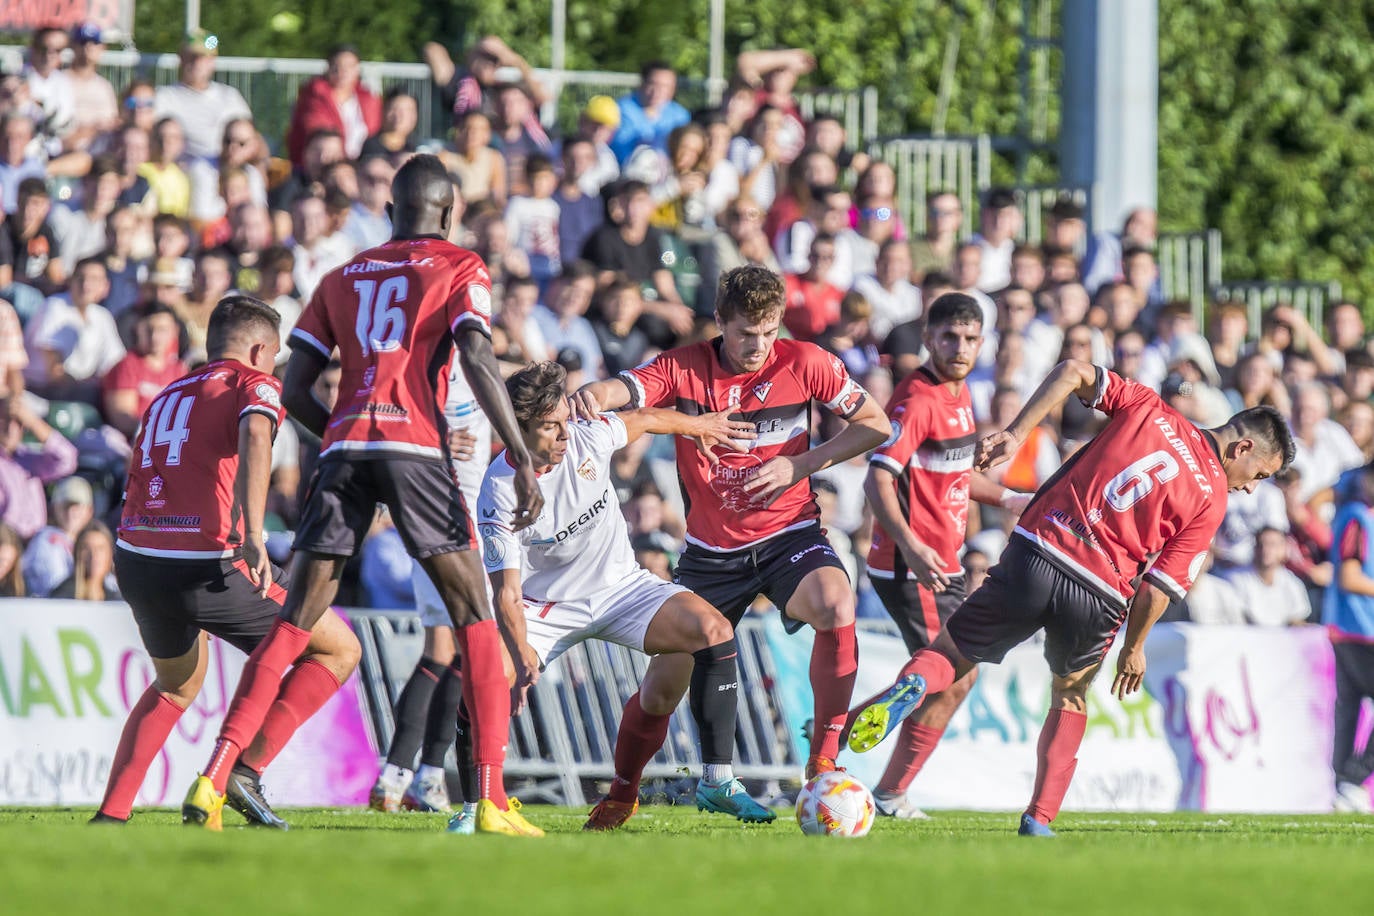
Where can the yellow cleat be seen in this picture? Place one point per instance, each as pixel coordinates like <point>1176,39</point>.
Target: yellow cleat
<point>491,819</point>
<point>204,807</point>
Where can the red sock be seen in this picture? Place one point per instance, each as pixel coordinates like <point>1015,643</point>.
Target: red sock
<point>915,744</point>
<point>304,690</point>
<point>934,667</point>
<point>258,686</point>
<point>834,664</point>
<point>639,738</point>
<point>1056,757</point>
<point>488,700</point>
<point>150,722</point>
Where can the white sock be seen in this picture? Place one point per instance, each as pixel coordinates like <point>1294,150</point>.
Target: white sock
<point>427,771</point>
<point>717,773</point>
<point>470,808</point>
<point>396,776</point>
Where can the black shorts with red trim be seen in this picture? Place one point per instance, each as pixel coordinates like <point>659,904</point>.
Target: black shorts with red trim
<point>1026,591</point>
<point>731,580</point>
<point>173,600</point>
<point>426,505</point>
<point>920,614</point>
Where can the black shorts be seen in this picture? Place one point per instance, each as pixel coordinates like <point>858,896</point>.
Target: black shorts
<point>731,580</point>
<point>920,614</point>
<point>173,600</point>
<point>1025,592</point>
<point>426,505</point>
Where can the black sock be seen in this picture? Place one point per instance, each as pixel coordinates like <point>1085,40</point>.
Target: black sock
<point>412,708</point>
<point>467,769</point>
<point>442,724</point>
<point>714,700</point>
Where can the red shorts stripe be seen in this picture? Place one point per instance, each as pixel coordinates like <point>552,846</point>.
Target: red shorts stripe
<point>275,593</point>
<point>930,611</point>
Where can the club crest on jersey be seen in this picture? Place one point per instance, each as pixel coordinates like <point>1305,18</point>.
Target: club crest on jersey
<point>480,297</point>
<point>587,470</point>
<point>369,376</point>
<point>155,486</point>
<point>1094,515</point>
<point>267,394</point>
<point>761,391</point>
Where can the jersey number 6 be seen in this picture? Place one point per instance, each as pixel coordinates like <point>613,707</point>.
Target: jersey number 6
<point>380,323</point>
<point>1135,482</point>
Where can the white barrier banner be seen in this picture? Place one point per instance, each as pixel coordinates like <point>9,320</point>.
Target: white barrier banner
<point>71,670</point>
<point>1232,719</point>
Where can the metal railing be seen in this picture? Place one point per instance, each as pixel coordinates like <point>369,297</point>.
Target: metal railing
<point>925,164</point>
<point>1190,267</point>
<point>1311,299</point>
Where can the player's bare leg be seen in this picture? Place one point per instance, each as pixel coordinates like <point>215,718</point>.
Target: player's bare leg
<point>930,672</point>
<point>175,686</point>
<point>314,583</point>
<point>920,733</point>
<point>825,600</point>
<point>1056,753</point>
<point>486,692</point>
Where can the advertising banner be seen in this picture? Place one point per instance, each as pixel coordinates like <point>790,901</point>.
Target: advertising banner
<point>26,15</point>
<point>71,670</point>
<point>1232,719</point>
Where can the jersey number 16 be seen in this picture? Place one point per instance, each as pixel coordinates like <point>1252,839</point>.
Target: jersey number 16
<point>381,324</point>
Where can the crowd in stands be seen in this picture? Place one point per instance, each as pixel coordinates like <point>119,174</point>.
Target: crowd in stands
<point>130,210</point>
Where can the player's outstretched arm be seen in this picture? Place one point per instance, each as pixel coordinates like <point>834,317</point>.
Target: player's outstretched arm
<point>710,430</point>
<point>596,398</point>
<point>985,490</point>
<point>1148,605</point>
<point>484,375</point>
<point>297,390</point>
<point>250,493</point>
<point>1072,376</point>
<point>510,619</point>
<point>921,559</point>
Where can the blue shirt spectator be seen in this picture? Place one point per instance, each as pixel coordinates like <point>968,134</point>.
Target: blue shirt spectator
<point>649,115</point>
<point>385,572</point>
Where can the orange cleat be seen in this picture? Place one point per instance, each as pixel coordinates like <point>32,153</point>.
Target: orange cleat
<point>816,765</point>
<point>610,814</point>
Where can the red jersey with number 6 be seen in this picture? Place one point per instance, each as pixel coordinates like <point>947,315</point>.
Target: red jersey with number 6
<point>931,453</point>
<point>392,312</point>
<point>1150,483</point>
<point>179,498</point>
<point>777,400</point>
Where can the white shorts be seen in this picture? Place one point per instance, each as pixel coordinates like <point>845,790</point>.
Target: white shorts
<point>618,614</point>
<point>427,600</point>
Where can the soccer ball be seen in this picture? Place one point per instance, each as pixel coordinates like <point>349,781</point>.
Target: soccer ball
<point>835,804</point>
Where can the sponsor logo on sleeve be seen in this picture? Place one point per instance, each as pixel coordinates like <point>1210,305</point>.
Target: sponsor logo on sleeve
<point>267,394</point>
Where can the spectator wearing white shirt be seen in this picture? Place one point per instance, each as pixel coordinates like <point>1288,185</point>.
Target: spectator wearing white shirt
<point>50,86</point>
<point>1324,449</point>
<point>889,289</point>
<point>1212,600</point>
<point>999,220</point>
<point>1270,594</point>
<point>95,104</point>
<point>81,231</point>
<point>1247,514</point>
<point>73,340</point>
<point>968,267</point>
<point>202,106</point>
<point>317,252</point>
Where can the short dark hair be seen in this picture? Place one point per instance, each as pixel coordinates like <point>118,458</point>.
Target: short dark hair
<point>751,292</point>
<point>580,269</point>
<point>999,199</point>
<point>321,134</point>
<point>537,163</point>
<point>398,92</point>
<point>153,309</point>
<point>517,281</point>
<point>239,314</point>
<point>1267,427</point>
<point>955,308</point>
<point>33,187</point>
<point>344,48</point>
<point>653,66</point>
<point>535,391</point>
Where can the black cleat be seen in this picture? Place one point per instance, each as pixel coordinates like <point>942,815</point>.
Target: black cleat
<point>244,795</point>
<point>100,817</point>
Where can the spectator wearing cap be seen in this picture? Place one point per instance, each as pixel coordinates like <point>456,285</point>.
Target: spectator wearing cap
<point>1103,261</point>
<point>650,113</point>
<point>563,320</point>
<point>579,213</point>
<point>202,107</point>
<point>129,388</point>
<point>50,86</point>
<point>935,250</point>
<point>95,106</point>
<point>1065,229</point>
<point>999,221</point>
<point>395,140</point>
<point>26,467</point>
<point>48,559</point>
<point>73,340</point>
<point>597,124</point>
<point>473,87</point>
<point>336,101</point>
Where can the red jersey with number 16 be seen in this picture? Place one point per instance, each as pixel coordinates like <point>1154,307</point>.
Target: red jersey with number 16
<point>931,452</point>
<point>391,312</point>
<point>1150,483</point>
<point>179,498</point>
<point>777,400</point>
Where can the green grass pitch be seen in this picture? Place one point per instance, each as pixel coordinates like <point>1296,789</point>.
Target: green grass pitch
<point>676,860</point>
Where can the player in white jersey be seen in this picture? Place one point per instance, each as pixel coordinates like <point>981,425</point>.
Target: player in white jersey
<point>426,713</point>
<point>572,575</point>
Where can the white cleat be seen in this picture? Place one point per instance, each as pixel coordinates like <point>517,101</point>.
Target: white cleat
<point>899,806</point>
<point>1351,799</point>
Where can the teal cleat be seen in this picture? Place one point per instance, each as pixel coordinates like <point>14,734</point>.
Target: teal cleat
<point>730,798</point>
<point>462,823</point>
<point>883,716</point>
<point>1031,827</point>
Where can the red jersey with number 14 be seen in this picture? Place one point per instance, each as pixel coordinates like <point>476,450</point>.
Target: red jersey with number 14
<point>931,452</point>
<point>391,312</point>
<point>179,498</point>
<point>1150,483</point>
<point>777,400</point>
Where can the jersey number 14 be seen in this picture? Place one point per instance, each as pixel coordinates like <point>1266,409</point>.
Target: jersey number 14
<point>168,424</point>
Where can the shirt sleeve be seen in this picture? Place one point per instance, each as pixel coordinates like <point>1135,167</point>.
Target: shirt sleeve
<point>1353,542</point>
<point>312,331</point>
<point>470,298</point>
<point>495,515</point>
<point>1181,561</point>
<point>827,380</point>
<point>1114,393</point>
<point>605,434</point>
<point>261,394</point>
<point>908,431</point>
<point>654,384</point>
